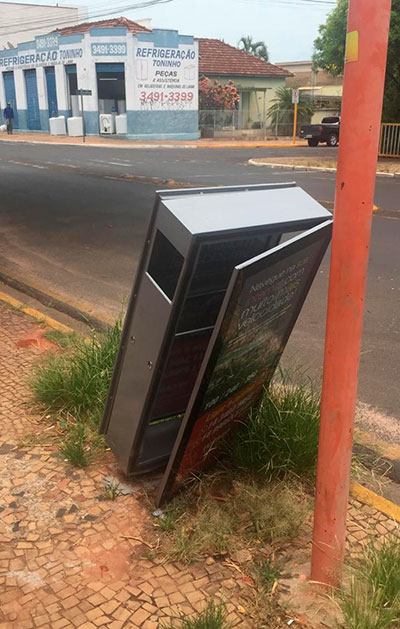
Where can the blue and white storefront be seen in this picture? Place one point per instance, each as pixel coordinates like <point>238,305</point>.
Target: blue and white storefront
<point>141,86</point>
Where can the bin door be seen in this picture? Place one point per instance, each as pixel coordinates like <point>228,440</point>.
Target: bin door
<point>261,306</point>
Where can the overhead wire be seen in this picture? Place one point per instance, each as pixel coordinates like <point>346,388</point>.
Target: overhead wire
<point>56,23</point>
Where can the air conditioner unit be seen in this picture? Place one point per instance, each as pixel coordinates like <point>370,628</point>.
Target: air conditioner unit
<point>107,123</point>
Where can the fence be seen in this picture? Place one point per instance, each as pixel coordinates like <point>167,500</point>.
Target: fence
<point>219,120</point>
<point>229,121</point>
<point>389,144</point>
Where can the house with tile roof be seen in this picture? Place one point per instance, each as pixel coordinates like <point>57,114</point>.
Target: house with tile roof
<point>256,79</point>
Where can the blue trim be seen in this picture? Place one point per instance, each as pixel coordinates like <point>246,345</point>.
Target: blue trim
<point>11,52</point>
<point>165,38</point>
<point>67,113</point>
<point>92,126</point>
<point>70,68</point>
<point>110,67</point>
<point>44,120</point>
<point>51,87</point>
<point>163,124</point>
<point>22,120</point>
<point>9,93</point>
<point>27,45</point>
<point>70,39</point>
<point>106,32</point>
<point>47,42</point>
<point>32,100</point>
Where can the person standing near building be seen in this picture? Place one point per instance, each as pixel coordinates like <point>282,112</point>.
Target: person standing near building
<point>8,114</point>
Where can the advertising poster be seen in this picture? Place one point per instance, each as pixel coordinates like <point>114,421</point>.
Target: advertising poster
<point>266,296</point>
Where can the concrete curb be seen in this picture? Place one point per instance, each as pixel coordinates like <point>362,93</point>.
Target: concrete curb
<point>158,145</point>
<point>53,302</point>
<point>253,162</point>
<point>368,497</point>
<point>379,454</point>
<point>35,314</point>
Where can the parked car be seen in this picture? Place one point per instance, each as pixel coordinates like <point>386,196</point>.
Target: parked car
<point>326,131</point>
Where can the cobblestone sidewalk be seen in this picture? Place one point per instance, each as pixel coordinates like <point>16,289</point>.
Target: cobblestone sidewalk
<point>70,558</point>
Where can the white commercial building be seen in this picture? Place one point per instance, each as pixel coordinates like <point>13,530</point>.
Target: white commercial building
<point>114,76</point>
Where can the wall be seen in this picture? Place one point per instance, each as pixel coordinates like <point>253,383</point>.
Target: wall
<point>253,104</point>
<point>23,22</point>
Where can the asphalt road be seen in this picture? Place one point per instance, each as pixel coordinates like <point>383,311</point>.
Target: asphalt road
<point>72,222</point>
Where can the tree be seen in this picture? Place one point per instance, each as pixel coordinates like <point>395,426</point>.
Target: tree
<point>282,110</point>
<point>214,95</point>
<point>258,48</point>
<point>330,52</point>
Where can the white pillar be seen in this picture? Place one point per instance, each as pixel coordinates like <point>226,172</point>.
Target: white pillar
<point>63,101</point>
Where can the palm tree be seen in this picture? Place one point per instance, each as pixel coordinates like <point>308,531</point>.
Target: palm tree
<point>258,48</point>
<point>281,111</point>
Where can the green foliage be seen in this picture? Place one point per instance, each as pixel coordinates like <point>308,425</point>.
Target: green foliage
<point>372,600</point>
<point>330,46</point>
<point>75,447</point>
<point>112,489</point>
<point>283,109</point>
<point>222,513</point>
<point>282,436</point>
<point>258,48</point>
<point>330,53</point>
<point>266,574</point>
<point>76,381</point>
<point>62,339</point>
<point>212,617</point>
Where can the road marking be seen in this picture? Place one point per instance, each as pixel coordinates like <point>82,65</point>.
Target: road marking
<point>118,163</point>
<point>10,161</point>
<point>35,313</point>
<point>379,503</point>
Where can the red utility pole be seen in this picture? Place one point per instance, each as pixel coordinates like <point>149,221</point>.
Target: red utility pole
<point>367,38</point>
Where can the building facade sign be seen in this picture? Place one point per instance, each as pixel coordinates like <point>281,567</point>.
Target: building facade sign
<point>166,78</point>
<point>108,49</point>
<point>36,59</point>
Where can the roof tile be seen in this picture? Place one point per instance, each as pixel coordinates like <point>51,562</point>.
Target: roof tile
<point>219,58</point>
<point>117,22</point>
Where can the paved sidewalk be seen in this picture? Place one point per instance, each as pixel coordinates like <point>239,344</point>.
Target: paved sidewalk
<point>120,142</point>
<point>70,558</point>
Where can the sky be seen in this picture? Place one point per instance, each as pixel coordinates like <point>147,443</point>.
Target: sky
<point>288,27</point>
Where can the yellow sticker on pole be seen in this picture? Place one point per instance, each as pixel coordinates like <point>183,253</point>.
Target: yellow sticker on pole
<point>352,46</point>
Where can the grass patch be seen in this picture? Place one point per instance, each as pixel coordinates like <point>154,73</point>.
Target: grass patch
<point>213,617</point>
<point>220,514</point>
<point>372,600</point>
<point>75,446</point>
<point>76,381</point>
<point>282,435</point>
<point>62,339</point>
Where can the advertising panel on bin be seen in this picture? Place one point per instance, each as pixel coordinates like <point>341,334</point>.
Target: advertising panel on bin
<point>262,304</point>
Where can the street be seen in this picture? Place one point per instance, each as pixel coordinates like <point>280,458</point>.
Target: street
<point>73,221</point>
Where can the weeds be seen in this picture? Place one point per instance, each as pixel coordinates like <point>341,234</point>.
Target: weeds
<point>62,339</point>
<point>266,573</point>
<point>75,447</point>
<point>76,381</point>
<point>282,436</point>
<point>373,597</point>
<point>112,489</point>
<point>221,513</point>
<point>212,617</point>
